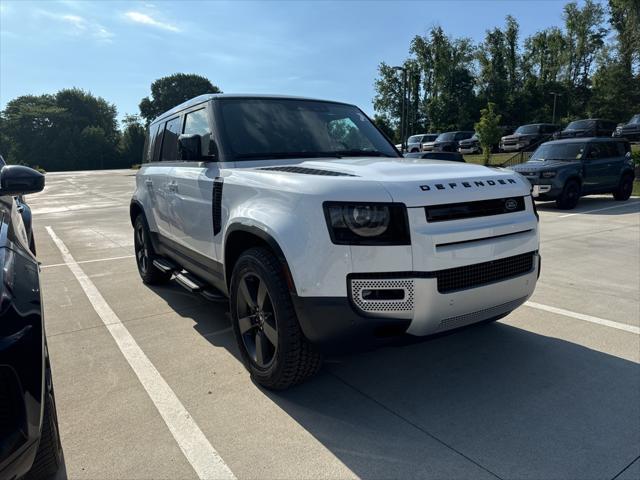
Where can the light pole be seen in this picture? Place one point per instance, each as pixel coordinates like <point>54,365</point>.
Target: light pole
<point>403,126</point>
<point>555,97</point>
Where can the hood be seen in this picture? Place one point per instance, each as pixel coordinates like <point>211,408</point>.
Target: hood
<point>630,127</point>
<point>414,182</point>
<point>539,165</point>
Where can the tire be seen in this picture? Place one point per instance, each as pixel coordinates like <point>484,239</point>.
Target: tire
<point>273,348</point>
<point>414,150</point>
<point>570,195</point>
<point>49,455</point>
<point>623,192</point>
<point>145,254</point>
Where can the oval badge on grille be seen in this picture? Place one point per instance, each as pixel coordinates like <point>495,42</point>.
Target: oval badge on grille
<point>511,204</point>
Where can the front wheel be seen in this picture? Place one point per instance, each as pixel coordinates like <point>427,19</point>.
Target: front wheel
<point>623,192</point>
<point>570,195</point>
<point>272,345</point>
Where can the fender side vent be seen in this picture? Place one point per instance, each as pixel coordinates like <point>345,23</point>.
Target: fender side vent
<point>217,205</point>
<point>308,171</point>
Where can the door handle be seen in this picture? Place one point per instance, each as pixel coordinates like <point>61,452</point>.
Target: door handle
<point>173,186</point>
<point>148,183</point>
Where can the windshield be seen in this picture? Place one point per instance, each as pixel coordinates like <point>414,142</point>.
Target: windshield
<point>559,151</point>
<point>446,137</point>
<point>528,129</point>
<point>580,125</point>
<point>635,119</point>
<point>259,128</point>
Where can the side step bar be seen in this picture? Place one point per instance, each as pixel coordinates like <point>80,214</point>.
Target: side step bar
<point>188,281</point>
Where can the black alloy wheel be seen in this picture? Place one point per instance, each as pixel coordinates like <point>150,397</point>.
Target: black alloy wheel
<point>257,320</point>
<point>624,190</point>
<point>570,196</point>
<point>143,249</point>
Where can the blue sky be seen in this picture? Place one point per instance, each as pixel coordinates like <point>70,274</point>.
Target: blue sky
<point>321,49</point>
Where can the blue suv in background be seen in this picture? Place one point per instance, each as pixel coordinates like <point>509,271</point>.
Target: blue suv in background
<point>565,170</point>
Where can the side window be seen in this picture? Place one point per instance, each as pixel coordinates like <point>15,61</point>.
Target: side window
<point>595,151</point>
<point>170,139</point>
<point>149,143</point>
<point>621,148</point>
<point>198,123</point>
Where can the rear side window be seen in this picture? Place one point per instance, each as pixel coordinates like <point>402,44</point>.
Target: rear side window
<point>150,142</point>
<point>603,150</point>
<point>170,139</point>
<point>198,123</point>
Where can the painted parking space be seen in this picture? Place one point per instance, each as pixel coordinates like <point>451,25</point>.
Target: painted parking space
<point>521,398</point>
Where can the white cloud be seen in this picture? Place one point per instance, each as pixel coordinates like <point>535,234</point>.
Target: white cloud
<point>81,26</point>
<point>145,19</point>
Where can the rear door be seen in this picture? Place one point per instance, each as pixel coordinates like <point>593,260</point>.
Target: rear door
<point>193,189</point>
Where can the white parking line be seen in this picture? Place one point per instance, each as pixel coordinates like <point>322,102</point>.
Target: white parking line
<point>196,448</point>
<point>599,209</point>
<point>88,261</point>
<point>586,318</point>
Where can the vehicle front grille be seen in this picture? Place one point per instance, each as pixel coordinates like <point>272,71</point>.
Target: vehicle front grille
<point>481,208</point>
<point>471,276</point>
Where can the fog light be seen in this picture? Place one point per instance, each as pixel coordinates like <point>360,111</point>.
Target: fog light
<point>390,294</point>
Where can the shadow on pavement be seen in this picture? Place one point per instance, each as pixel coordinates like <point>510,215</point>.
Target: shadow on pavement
<point>488,397</point>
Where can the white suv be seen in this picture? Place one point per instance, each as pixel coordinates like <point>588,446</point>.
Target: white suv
<point>302,213</point>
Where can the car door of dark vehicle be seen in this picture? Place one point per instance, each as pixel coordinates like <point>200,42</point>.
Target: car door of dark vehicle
<point>599,167</point>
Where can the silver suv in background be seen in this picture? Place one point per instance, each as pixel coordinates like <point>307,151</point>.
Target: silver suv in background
<point>415,142</point>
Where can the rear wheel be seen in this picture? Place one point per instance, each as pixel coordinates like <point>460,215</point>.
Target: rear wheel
<point>570,195</point>
<point>145,254</point>
<point>272,345</point>
<point>623,192</point>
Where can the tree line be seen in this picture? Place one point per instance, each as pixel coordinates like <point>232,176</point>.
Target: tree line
<point>591,63</point>
<point>75,130</point>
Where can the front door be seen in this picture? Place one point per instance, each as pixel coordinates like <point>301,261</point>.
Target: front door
<point>193,190</point>
<point>599,167</point>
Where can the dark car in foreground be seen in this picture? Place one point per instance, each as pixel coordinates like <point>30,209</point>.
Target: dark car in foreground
<point>528,137</point>
<point>450,141</point>
<point>29,439</point>
<point>449,156</point>
<point>590,127</point>
<point>25,212</point>
<point>630,131</point>
<point>565,170</point>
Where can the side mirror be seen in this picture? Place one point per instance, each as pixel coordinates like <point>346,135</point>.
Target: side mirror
<point>20,180</point>
<point>189,147</point>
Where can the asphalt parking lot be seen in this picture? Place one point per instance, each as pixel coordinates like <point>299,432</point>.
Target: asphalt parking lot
<point>551,391</point>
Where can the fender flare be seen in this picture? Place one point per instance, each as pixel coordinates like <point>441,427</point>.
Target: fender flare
<point>269,240</point>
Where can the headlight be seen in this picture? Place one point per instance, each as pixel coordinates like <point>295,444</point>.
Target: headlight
<point>367,223</point>
<point>548,174</point>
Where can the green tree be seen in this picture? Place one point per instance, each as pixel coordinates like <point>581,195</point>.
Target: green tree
<point>67,131</point>
<point>488,130</point>
<point>132,140</point>
<point>167,92</point>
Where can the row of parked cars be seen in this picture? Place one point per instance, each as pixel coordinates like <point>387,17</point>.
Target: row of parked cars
<point>523,138</point>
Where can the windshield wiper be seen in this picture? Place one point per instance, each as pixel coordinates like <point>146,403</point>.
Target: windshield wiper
<point>277,155</point>
<point>360,153</point>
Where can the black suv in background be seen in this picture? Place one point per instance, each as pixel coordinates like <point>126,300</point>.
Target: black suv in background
<point>528,137</point>
<point>472,145</point>
<point>565,170</point>
<point>450,141</point>
<point>630,131</point>
<point>590,127</point>
<point>29,440</point>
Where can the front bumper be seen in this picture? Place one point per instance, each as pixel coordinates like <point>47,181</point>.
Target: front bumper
<point>422,310</point>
